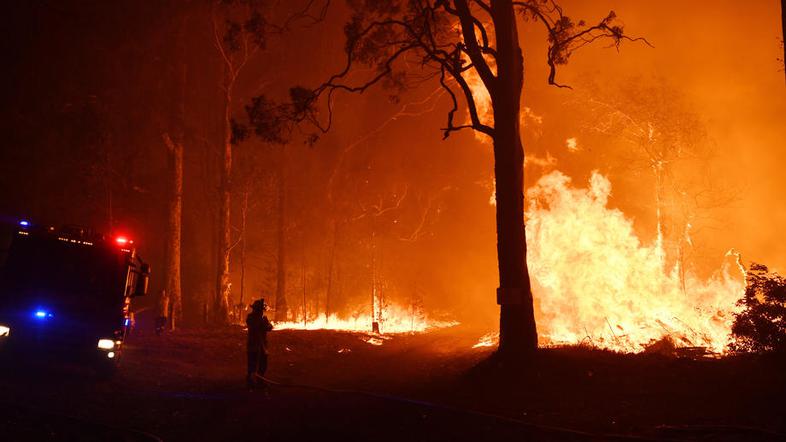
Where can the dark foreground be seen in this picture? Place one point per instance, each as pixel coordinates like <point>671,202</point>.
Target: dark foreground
<point>335,386</point>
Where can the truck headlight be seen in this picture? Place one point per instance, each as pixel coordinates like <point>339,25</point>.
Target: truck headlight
<point>106,344</point>
<point>5,331</point>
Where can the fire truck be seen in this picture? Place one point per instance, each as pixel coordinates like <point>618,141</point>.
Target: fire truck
<point>65,294</point>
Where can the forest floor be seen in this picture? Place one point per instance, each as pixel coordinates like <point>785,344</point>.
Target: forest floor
<point>190,385</point>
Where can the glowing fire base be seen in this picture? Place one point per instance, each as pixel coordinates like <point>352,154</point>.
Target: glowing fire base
<point>395,320</point>
<point>595,283</point>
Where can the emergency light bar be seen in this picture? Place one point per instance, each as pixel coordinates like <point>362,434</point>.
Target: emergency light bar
<point>78,235</point>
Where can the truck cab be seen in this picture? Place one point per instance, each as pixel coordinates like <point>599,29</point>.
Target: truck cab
<point>66,293</point>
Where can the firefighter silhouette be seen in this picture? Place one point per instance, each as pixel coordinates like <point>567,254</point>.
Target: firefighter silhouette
<point>258,327</point>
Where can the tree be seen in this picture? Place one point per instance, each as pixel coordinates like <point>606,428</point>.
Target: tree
<point>240,35</point>
<point>661,133</point>
<point>451,41</point>
<point>373,212</point>
<point>281,268</point>
<point>783,34</point>
<point>245,30</point>
<point>760,326</point>
<point>174,147</point>
<point>174,227</point>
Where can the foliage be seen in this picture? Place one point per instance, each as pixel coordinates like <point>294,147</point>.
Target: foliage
<point>405,43</point>
<point>247,27</point>
<point>274,122</point>
<point>761,326</point>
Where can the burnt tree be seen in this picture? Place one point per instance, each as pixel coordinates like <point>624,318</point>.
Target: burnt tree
<point>452,41</point>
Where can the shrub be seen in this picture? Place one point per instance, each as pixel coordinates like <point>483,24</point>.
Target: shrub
<point>760,326</point>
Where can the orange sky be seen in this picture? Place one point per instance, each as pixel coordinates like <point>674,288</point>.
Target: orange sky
<point>722,56</point>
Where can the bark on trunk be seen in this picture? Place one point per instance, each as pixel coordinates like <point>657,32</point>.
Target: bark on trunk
<point>331,264</point>
<point>783,33</point>
<point>221,308</point>
<point>175,186</point>
<point>174,223</point>
<point>518,334</point>
<point>281,275</point>
<point>374,312</point>
<point>243,225</point>
<point>305,306</point>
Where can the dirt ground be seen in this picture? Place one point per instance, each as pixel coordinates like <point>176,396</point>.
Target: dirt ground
<point>189,385</point>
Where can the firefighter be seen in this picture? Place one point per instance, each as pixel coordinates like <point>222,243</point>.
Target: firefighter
<point>258,326</point>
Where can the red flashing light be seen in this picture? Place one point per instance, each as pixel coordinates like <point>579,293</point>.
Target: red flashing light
<point>122,240</point>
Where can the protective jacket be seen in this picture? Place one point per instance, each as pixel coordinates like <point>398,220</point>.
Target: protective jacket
<point>258,326</point>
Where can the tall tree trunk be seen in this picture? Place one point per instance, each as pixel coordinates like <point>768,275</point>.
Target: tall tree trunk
<point>783,33</point>
<point>173,230</point>
<point>305,310</point>
<point>243,231</point>
<point>374,312</point>
<point>281,274</point>
<point>221,309</point>
<point>518,334</point>
<point>174,147</point>
<point>331,264</point>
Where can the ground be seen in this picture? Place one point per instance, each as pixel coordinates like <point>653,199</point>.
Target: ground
<point>189,385</point>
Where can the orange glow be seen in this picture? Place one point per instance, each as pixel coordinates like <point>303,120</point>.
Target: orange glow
<point>394,319</point>
<point>595,282</point>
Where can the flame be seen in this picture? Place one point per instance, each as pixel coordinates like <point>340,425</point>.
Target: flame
<point>487,340</point>
<point>482,100</point>
<point>572,144</point>
<point>394,319</point>
<point>595,282</point>
<point>373,340</point>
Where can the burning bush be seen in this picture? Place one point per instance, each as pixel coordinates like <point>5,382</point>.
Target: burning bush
<point>761,326</point>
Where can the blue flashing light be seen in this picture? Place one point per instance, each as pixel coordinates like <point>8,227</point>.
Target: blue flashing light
<point>42,314</point>
<point>24,223</point>
<point>126,322</point>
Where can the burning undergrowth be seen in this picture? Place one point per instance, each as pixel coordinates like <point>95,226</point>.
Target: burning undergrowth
<point>595,282</point>
<point>392,319</point>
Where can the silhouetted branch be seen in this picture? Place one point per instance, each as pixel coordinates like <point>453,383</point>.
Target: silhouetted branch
<point>418,231</point>
<point>426,30</point>
<point>563,37</point>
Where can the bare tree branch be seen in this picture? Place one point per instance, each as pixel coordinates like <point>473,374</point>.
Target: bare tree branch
<point>563,41</point>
